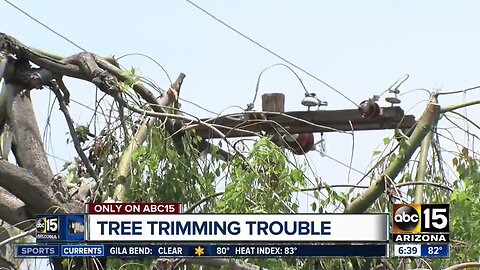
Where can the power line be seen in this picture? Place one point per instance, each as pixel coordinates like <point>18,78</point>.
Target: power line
<point>44,25</point>
<point>270,51</point>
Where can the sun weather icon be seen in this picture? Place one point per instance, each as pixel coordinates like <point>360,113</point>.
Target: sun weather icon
<point>199,251</point>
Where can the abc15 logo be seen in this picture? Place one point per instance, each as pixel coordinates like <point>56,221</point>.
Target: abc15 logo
<point>420,218</point>
<point>47,225</point>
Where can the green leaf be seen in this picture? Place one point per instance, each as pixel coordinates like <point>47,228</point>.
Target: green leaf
<point>314,206</point>
<point>386,140</point>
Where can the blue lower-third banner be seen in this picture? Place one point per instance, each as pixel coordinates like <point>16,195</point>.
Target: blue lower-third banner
<point>200,250</point>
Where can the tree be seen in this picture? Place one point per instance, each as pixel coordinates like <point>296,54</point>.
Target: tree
<point>149,151</point>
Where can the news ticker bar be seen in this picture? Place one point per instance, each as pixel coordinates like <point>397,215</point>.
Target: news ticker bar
<point>424,250</point>
<point>200,250</point>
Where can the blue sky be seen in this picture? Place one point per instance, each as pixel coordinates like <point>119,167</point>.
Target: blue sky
<point>359,47</point>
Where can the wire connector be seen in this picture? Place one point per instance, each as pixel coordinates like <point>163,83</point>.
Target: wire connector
<point>311,100</point>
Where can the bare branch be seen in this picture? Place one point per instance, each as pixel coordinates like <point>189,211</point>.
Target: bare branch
<point>29,189</point>
<point>463,266</point>
<point>3,63</point>
<point>12,45</point>
<point>206,198</point>
<point>28,140</point>
<point>456,91</point>
<point>370,195</point>
<point>73,132</point>
<point>6,139</point>
<point>425,184</point>
<point>109,59</point>
<point>449,108</point>
<point>13,210</point>
<point>466,119</point>
<point>18,236</point>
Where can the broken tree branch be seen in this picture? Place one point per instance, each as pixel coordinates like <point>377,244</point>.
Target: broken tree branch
<point>73,132</point>
<point>424,125</point>
<point>449,108</point>
<point>12,45</point>
<point>13,210</point>
<point>109,59</point>
<point>90,67</point>
<point>124,167</point>
<point>422,166</point>
<point>29,189</point>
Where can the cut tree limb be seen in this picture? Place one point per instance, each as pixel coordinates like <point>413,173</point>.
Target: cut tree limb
<point>30,190</point>
<point>125,164</point>
<point>6,139</point>
<point>147,95</point>
<point>106,80</point>
<point>450,108</point>
<point>13,210</point>
<point>27,137</point>
<point>424,125</point>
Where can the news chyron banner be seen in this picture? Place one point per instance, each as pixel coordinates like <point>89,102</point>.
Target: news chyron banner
<point>108,223</point>
<point>160,230</point>
<point>421,230</point>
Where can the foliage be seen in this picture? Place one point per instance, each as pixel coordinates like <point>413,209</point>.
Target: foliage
<point>262,182</point>
<point>260,178</point>
<point>160,173</point>
<point>465,210</point>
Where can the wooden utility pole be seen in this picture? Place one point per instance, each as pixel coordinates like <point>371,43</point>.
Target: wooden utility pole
<point>252,123</point>
<point>273,102</point>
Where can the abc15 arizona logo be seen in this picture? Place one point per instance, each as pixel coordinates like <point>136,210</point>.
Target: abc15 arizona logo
<point>420,218</point>
<point>47,225</point>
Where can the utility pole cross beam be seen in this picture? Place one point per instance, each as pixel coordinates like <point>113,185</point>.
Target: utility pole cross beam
<point>252,123</point>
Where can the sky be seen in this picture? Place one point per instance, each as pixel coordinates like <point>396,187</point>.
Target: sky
<point>358,47</point>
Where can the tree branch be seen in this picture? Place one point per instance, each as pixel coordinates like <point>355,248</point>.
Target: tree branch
<point>456,91</point>
<point>12,45</point>
<point>466,119</point>
<point>422,167</point>
<point>18,236</point>
<point>109,59</point>
<point>86,66</point>
<point>449,108</point>
<point>30,190</point>
<point>125,164</point>
<point>30,149</point>
<point>73,133</point>
<point>463,266</point>
<point>424,125</point>
<point>13,210</point>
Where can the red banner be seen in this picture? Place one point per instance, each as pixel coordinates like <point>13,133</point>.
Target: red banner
<point>133,208</point>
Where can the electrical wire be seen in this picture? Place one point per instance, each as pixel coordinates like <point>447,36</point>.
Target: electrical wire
<point>44,25</point>
<point>271,52</point>
<point>151,59</point>
<point>396,84</point>
<point>250,106</point>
